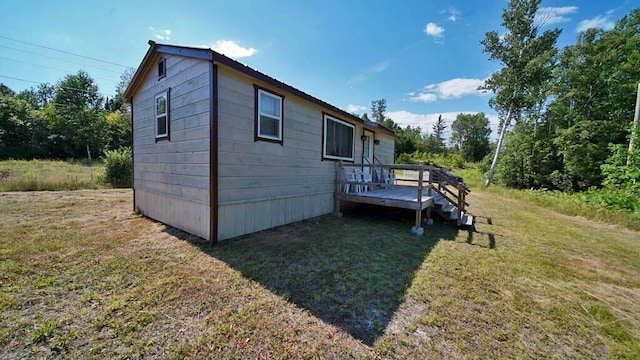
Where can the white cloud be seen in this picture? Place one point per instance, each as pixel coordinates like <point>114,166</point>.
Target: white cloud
<point>456,88</point>
<point>453,14</point>
<point>432,29</point>
<point>380,67</point>
<point>424,97</point>
<point>355,108</point>
<point>601,22</point>
<point>450,89</point>
<point>426,121</point>
<point>232,49</point>
<point>161,34</point>
<point>554,15</point>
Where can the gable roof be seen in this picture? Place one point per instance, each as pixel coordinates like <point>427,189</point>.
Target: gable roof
<point>211,55</point>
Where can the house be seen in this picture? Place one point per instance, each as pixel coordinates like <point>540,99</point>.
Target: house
<point>221,149</point>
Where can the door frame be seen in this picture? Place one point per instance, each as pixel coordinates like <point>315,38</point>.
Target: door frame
<point>372,136</point>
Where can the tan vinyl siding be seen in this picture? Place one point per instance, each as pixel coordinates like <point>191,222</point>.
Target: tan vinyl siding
<point>263,184</point>
<point>249,169</point>
<point>245,217</point>
<point>172,177</point>
<point>189,216</point>
<point>384,151</point>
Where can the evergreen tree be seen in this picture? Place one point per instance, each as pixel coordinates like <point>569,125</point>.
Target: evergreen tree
<point>437,136</point>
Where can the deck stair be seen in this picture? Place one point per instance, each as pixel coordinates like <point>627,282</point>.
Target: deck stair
<point>449,194</point>
<point>449,211</point>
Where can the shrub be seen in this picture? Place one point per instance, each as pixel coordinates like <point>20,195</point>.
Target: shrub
<point>613,199</point>
<point>119,167</point>
<point>448,160</point>
<point>405,159</point>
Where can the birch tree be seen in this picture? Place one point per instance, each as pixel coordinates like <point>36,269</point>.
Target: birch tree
<point>527,60</point>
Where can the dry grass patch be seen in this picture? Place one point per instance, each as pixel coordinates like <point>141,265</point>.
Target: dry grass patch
<point>533,295</point>
<point>82,276</point>
<point>48,175</point>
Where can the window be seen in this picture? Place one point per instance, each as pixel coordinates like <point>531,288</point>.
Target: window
<point>268,121</point>
<point>162,68</point>
<point>338,141</point>
<point>162,115</point>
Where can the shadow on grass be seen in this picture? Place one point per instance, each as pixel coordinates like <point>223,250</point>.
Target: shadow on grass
<point>351,272</point>
<point>491,238</point>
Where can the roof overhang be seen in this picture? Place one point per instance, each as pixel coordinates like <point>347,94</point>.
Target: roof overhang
<point>156,49</point>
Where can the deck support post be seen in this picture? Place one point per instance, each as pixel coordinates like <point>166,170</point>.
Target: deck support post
<point>430,194</point>
<point>419,230</point>
<point>460,205</point>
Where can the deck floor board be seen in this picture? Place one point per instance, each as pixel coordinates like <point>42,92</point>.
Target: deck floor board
<point>397,192</point>
<point>395,196</point>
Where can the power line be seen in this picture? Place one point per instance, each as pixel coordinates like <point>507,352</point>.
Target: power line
<point>14,78</point>
<point>65,52</point>
<point>55,58</point>
<point>50,67</point>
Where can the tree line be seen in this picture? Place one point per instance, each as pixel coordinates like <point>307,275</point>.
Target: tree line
<point>66,120</point>
<point>566,115</point>
<point>469,139</point>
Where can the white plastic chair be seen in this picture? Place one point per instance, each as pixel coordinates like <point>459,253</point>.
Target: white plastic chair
<point>349,176</point>
<point>358,176</point>
<point>389,178</point>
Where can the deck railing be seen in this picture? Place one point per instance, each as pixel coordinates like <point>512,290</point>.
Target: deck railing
<point>428,177</point>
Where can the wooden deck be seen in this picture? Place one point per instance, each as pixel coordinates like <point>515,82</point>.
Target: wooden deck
<point>435,189</point>
<point>399,196</point>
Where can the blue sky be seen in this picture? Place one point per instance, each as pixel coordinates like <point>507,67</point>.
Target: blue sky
<point>424,57</point>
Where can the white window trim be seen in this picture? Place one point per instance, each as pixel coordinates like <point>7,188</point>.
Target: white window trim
<point>164,94</point>
<point>279,118</point>
<point>324,139</point>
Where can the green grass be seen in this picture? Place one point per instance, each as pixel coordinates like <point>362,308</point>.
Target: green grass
<point>352,274</point>
<point>48,175</point>
<point>44,331</point>
<point>82,276</point>
<point>579,204</point>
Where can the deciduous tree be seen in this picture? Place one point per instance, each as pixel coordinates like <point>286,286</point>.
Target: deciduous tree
<point>527,60</point>
<point>470,133</point>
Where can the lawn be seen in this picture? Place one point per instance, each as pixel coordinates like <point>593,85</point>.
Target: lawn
<point>34,175</point>
<point>81,275</point>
